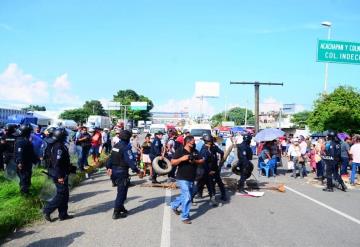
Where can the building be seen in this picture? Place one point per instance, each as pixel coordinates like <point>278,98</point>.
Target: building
<point>175,118</point>
<point>280,118</point>
<point>5,113</point>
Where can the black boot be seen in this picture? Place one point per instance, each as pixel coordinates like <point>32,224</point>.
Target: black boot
<point>343,186</point>
<point>328,189</point>
<point>116,214</point>
<point>123,209</point>
<point>241,188</point>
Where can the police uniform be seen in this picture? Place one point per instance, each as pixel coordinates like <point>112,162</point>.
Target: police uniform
<point>332,159</point>
<point>25,157</point>
<point>244,153</point>
<point>59,168</point>
<point>46,151</point>
<point>211,161</point>
<point>121,159</point>
<point>9,150</point>
<point>155,151</point>
<point>202,175</point>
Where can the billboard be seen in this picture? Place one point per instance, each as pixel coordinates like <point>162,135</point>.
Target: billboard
<point>207,89</point>
<point>138,106</point>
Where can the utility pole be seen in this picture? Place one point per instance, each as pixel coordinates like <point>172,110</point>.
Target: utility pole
<point>257,92</point>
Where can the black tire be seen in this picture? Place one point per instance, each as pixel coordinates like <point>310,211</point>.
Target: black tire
<point>235,168</point>
<point>161,167</point>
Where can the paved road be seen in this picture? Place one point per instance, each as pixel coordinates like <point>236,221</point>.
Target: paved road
<point>276,219</point>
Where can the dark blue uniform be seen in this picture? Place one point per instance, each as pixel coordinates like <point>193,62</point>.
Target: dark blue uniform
<point>25,157</point>
<point>332,160</point>
<point>59,168</point>
<point>121,159</point>
<point>244,153</point>
<point>46,148</point>
<point>155,151</point>
<point>211,159</point>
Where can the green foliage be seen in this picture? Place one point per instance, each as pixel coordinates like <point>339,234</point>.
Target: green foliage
<point>79,115</point>
<point>34,108</point>
<point>235,114</point>
<point>300,119</point>
<point>94,107</point>
<point>338,111</point>
<point>16,210</point>
<point>125,97</point>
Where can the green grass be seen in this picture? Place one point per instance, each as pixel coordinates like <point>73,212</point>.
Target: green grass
<point>16,210</point>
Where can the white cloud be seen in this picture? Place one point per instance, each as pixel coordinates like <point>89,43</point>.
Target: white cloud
<point>270,104</point>
<point>62,94</point>
<point>18,89</point>
<point>22,88</point>
<point>192,105</point>
<point>62,82</point>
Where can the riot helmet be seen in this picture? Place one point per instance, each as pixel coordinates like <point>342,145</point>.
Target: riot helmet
<point>60,134</point>
<point>50,131</point>
<point>208,138</point>
<point>247,138</point>
<point>331,135</point>
<point>10,129</point>
<point>25,130</point>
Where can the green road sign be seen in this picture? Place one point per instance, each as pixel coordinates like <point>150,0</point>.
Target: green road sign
<point>338,52</point>
<point>138,106</point>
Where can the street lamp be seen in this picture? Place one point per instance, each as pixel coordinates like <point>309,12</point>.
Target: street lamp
<point>328,25</point>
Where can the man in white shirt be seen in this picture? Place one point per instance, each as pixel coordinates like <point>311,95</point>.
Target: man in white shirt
<point>355,156</point>
<point>116,138</point>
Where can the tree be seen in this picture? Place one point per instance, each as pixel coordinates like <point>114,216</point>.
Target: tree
<point>300,119</point>
<point>235,114</point>
<point>34,108</point>
<point>79,115</point>
<point>337,111</point>
<point>94,107</point>
<point>125,97</point>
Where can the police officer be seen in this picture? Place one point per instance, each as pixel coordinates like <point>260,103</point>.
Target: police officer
<point>47,147</point>
<point>210,153</point>
<point>59,171</point>
<point>155,151</point>
<point>8,142</point>
<point>205,172</point>
<point>332,160</point>
<point>244,166</point>
<point>25,157</point>
<point>121,159</point>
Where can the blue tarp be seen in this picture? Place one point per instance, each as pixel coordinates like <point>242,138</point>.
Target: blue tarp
<point>22,119</point>
<point>238,129</point>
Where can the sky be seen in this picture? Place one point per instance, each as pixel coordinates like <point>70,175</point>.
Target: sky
<point>62,53</point>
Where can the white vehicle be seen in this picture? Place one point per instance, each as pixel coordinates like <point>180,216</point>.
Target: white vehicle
<point>141,124</point>
<point>135,131</point>
<point>146,130</point>
<point>66,123</point>
<point>198,130</point>
<point>101,122</point>
<point>154,128</point>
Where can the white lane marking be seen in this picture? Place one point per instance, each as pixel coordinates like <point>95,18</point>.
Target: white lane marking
<point>325,206</point>
<point>165,233</point>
